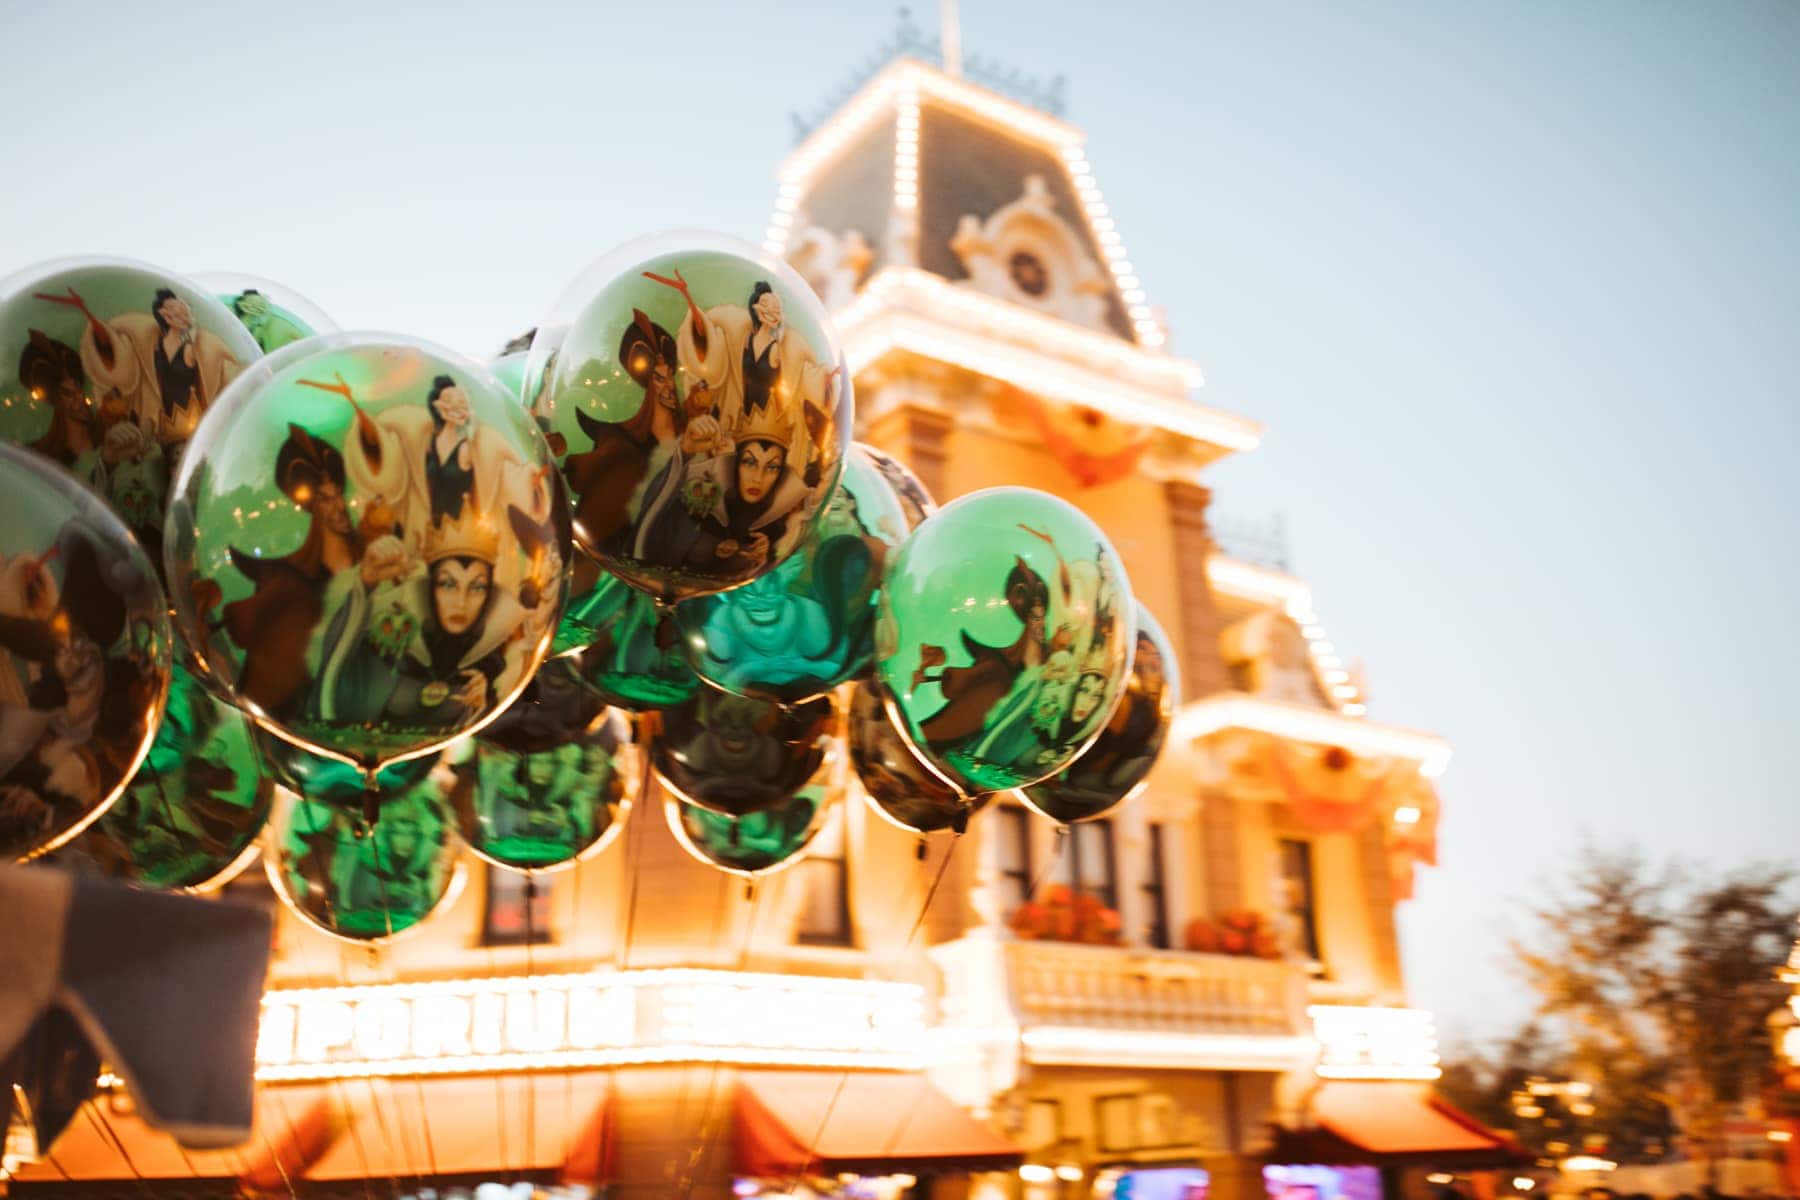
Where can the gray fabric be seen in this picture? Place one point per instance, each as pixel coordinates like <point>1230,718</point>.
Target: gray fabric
<point>167,988</point>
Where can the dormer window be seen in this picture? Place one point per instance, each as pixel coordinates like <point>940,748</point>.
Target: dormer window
<point>1028,272</point>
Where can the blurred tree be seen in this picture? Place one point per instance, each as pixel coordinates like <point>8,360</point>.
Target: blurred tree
<point>1655,985</point>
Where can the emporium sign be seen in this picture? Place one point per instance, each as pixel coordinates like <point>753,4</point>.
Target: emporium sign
<point>616,1018</point>
<point>1357,1042</point>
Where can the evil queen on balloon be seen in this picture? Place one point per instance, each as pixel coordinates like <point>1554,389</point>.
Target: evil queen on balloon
<point>395,576</point>
<point>706,416</point>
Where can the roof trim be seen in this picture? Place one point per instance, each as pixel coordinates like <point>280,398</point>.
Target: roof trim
<point>1199,719</point>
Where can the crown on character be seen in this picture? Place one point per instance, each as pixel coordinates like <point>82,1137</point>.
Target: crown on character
<point>767,424</point>
<point>471,535</point>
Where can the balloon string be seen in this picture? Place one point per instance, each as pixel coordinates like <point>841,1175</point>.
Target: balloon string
<point>531,895</point>
<point>338,1086</point>
<point>107,1134</point>
<point>709,1123</point>
<point>812,1146</point>
<point>723,893</point>
<point>371,800</point>
<point>1049,867</point>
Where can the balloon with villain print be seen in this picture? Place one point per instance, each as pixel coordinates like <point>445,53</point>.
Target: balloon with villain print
<point>705,412</point>
<point>735,755</point>
<point>191,816</point>
<point>276,316</point>
<point>808,625</point>
<point>331,780</point>
<point>619,644</point>
<point>992,613</point>
<point>367,543</point>
<point>900,787</point>
<point>762,842</point>
<point>550,782</point>
<point>1114,768</point>
<point>84,656</point>
<point>915,501</point>
<point>106,366</point>
<point>362,883</point>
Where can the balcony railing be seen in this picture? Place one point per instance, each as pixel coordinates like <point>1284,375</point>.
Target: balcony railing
<point>1111,987</point>
<point>1109,1005</point>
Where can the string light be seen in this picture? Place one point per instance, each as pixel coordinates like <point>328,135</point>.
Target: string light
<point>1303,723</point>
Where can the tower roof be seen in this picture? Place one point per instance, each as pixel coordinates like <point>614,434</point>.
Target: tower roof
<point>927,191</point>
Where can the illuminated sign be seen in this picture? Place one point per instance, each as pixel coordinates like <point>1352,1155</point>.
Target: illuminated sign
<point>1375,1043</point>
<point>550,1022</point>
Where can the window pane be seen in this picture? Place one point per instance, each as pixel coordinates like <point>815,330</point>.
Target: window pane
<point>509,922</point>
<point>1092,863</point>
<point>1156,903</point>
<point>825,913</point>
<point>1297,900</point>
<point>1015,846</point>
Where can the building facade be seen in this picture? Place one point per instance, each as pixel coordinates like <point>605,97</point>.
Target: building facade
<point>885,1013</point>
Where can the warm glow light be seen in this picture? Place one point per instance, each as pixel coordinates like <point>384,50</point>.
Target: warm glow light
<point>554,1022</point>
<point>1036,1173</point>
<point>1069,1173</point>
<point>1440,1178</point>
<point>1407,814</point>
<point>1076,1045</point>
<point>1523,1183</point>
<point>1587,1162</point>
<point>1781,1135</point>
<point>1367,1042</point>
<point>1200,718</point>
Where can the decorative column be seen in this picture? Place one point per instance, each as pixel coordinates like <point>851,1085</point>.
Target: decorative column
<point>1197,622</point>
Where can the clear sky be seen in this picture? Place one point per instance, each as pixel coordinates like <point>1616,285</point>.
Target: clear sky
<point>1515,287</point>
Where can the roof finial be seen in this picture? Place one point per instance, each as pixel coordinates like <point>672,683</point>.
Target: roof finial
<point>950,36</point>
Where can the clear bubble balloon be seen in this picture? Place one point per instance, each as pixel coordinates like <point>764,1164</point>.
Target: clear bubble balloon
<point>84,633</point>
<point>106,367</point>
<point>704,409</point>
<point>368,546</point>
<point>808,625</point>
<point>735,755</point>
<point>1006,636</point>
<point>1116,766</point>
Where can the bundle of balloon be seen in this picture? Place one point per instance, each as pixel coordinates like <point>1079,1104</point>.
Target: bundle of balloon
<point>365,604</point>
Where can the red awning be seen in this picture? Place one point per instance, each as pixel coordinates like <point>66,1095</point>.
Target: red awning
<point>490,1126</point>
<point>1392,1124</point>
<point>829,1123</point>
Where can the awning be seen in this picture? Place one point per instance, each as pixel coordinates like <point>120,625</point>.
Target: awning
<point>1392,1124</point>
<point>488,1127</point>
<point>829,1123</point>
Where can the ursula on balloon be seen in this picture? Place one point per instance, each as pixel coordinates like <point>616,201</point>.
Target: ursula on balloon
<point>704,410</point>
<point>368,546</point>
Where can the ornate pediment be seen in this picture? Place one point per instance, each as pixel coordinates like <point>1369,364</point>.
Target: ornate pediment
<point>1026,253</point>
<point>833,264</point>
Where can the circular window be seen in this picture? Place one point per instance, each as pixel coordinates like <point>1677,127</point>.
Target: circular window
<point>1028,272</point>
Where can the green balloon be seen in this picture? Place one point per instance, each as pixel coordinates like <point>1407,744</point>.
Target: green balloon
<point>736,755</point>
<point>1111,771</point>
<point>361,883</point>
<point>331,781</point>
<point>760,843</point>
<point>82,378</point>
<point>84,656</point>
<point>509,369</point>
<point>809,624</point>
<point>703,409</point>
<point>995,615</point>
<point>190,817</point>
<point>914,499</point>
<point>367,546</point>
<point>550,782</point>
<point>615,639</point>
<point>900,787</point>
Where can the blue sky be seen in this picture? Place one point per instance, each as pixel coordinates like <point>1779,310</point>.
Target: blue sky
<point>1514,286</point>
